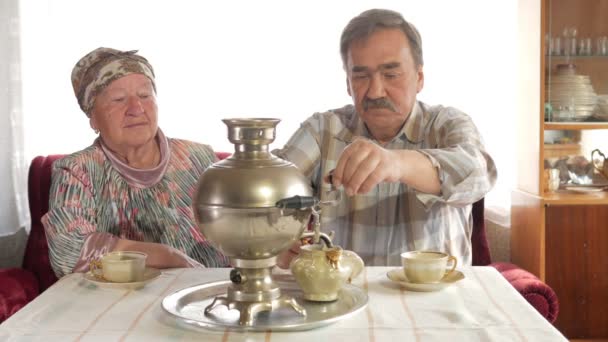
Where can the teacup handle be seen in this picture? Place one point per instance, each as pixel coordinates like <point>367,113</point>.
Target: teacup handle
<point>96,269</point>
<point>455,261</point>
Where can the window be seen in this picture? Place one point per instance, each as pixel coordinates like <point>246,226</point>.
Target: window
<point>217,59</point>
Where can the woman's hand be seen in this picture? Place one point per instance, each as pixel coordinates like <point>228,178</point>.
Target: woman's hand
<point>168,257</point>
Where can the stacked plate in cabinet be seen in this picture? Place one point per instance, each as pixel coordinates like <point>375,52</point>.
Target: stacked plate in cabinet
<point>571,96</point>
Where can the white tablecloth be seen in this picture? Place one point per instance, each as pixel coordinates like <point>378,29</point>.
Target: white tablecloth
<point>481,307</point>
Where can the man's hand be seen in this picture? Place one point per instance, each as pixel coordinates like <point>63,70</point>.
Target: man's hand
<point>285,258</point>
<point>364,164</point>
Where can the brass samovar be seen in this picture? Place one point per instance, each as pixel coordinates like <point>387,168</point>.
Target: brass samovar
<point>251,206</point>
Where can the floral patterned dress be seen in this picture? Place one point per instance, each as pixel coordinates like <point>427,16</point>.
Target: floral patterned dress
<point>89,196</point>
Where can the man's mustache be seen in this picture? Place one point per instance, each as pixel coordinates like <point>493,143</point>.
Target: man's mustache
<point>379,103</point>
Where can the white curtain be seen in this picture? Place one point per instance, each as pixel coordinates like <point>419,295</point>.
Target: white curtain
<point>14,214</point>
<point>218,59</point>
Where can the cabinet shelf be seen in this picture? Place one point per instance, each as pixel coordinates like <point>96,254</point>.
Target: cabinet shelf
<point>579,57</point>
<point>575,126</point>
<point>569,198</point>
<point>559,147</point>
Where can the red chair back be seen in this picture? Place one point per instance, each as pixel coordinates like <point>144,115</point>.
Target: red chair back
<point>479,240</point>
<point>222,155</point>
<point>36,258</point>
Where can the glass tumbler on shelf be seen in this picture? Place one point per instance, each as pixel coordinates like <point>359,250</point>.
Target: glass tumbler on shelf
<point>570,48</point>
<point>569,34</point>
<point>601,46</point>
<point>556,46</point>
<point>551,180</point>
<point>584,47</point>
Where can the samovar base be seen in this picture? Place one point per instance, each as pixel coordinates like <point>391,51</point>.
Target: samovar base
<point>253,290</point>
<point>248,310</point>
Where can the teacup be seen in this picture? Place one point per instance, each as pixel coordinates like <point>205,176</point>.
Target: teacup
<point>427,266</point>
<point>120,267</point>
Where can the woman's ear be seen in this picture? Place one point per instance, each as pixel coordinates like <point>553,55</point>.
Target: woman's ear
<point>93,123</point>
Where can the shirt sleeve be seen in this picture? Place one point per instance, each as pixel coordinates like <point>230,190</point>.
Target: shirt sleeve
<point>71,216</point>
<point>303,148</point>
<point>466,171</point>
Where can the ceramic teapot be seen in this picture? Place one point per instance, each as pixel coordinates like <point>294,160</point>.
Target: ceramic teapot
<point>322,270</point>
<point>601,165</point>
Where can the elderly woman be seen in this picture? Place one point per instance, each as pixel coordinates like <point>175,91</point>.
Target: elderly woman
<point>132,188</point>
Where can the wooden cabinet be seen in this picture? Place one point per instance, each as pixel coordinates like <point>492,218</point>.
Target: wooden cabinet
<point>562,236</point>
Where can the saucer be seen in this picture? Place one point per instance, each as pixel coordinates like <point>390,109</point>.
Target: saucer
<point>585,189</point>
<point>397,276</point>
<point>149,275</point>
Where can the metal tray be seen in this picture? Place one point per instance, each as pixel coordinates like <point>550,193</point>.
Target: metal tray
<point>187,306</point>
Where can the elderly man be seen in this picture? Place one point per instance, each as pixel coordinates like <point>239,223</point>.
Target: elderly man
<point>410,171</point>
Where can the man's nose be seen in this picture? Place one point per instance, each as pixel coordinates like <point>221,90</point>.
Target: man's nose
<point>135,107</point>
<point>376,87</point>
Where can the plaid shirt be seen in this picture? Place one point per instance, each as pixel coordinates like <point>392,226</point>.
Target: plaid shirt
<point>393,218</point>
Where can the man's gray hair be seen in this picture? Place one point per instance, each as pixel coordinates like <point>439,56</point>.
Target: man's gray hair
<point>366,23</point>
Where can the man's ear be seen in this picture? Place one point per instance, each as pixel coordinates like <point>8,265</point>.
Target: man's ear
<point>348,87</point>
<point>420,83</point>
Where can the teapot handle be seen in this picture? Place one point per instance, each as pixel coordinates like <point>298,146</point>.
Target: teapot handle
<point>601,170</point>
<point>356,263</point>
<point>325,237</point>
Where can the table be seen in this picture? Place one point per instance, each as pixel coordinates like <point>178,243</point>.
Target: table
<point>481,307</point>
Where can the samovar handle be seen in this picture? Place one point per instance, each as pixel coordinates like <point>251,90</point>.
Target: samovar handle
<point>297,202</point>
<point>312,203</point>
<point>303,202</point>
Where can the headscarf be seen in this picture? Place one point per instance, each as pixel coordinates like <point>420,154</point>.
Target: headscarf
<point>97,69</point>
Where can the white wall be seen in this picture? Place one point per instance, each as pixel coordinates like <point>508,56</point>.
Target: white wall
<point>262,58</point>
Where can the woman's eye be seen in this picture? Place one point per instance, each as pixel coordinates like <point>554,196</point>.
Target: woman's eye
<point>118,99</point>
<point>360,76</point>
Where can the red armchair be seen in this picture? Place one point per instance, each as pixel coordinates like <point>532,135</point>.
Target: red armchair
<point>21,285</point>
<point>540,295</point>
